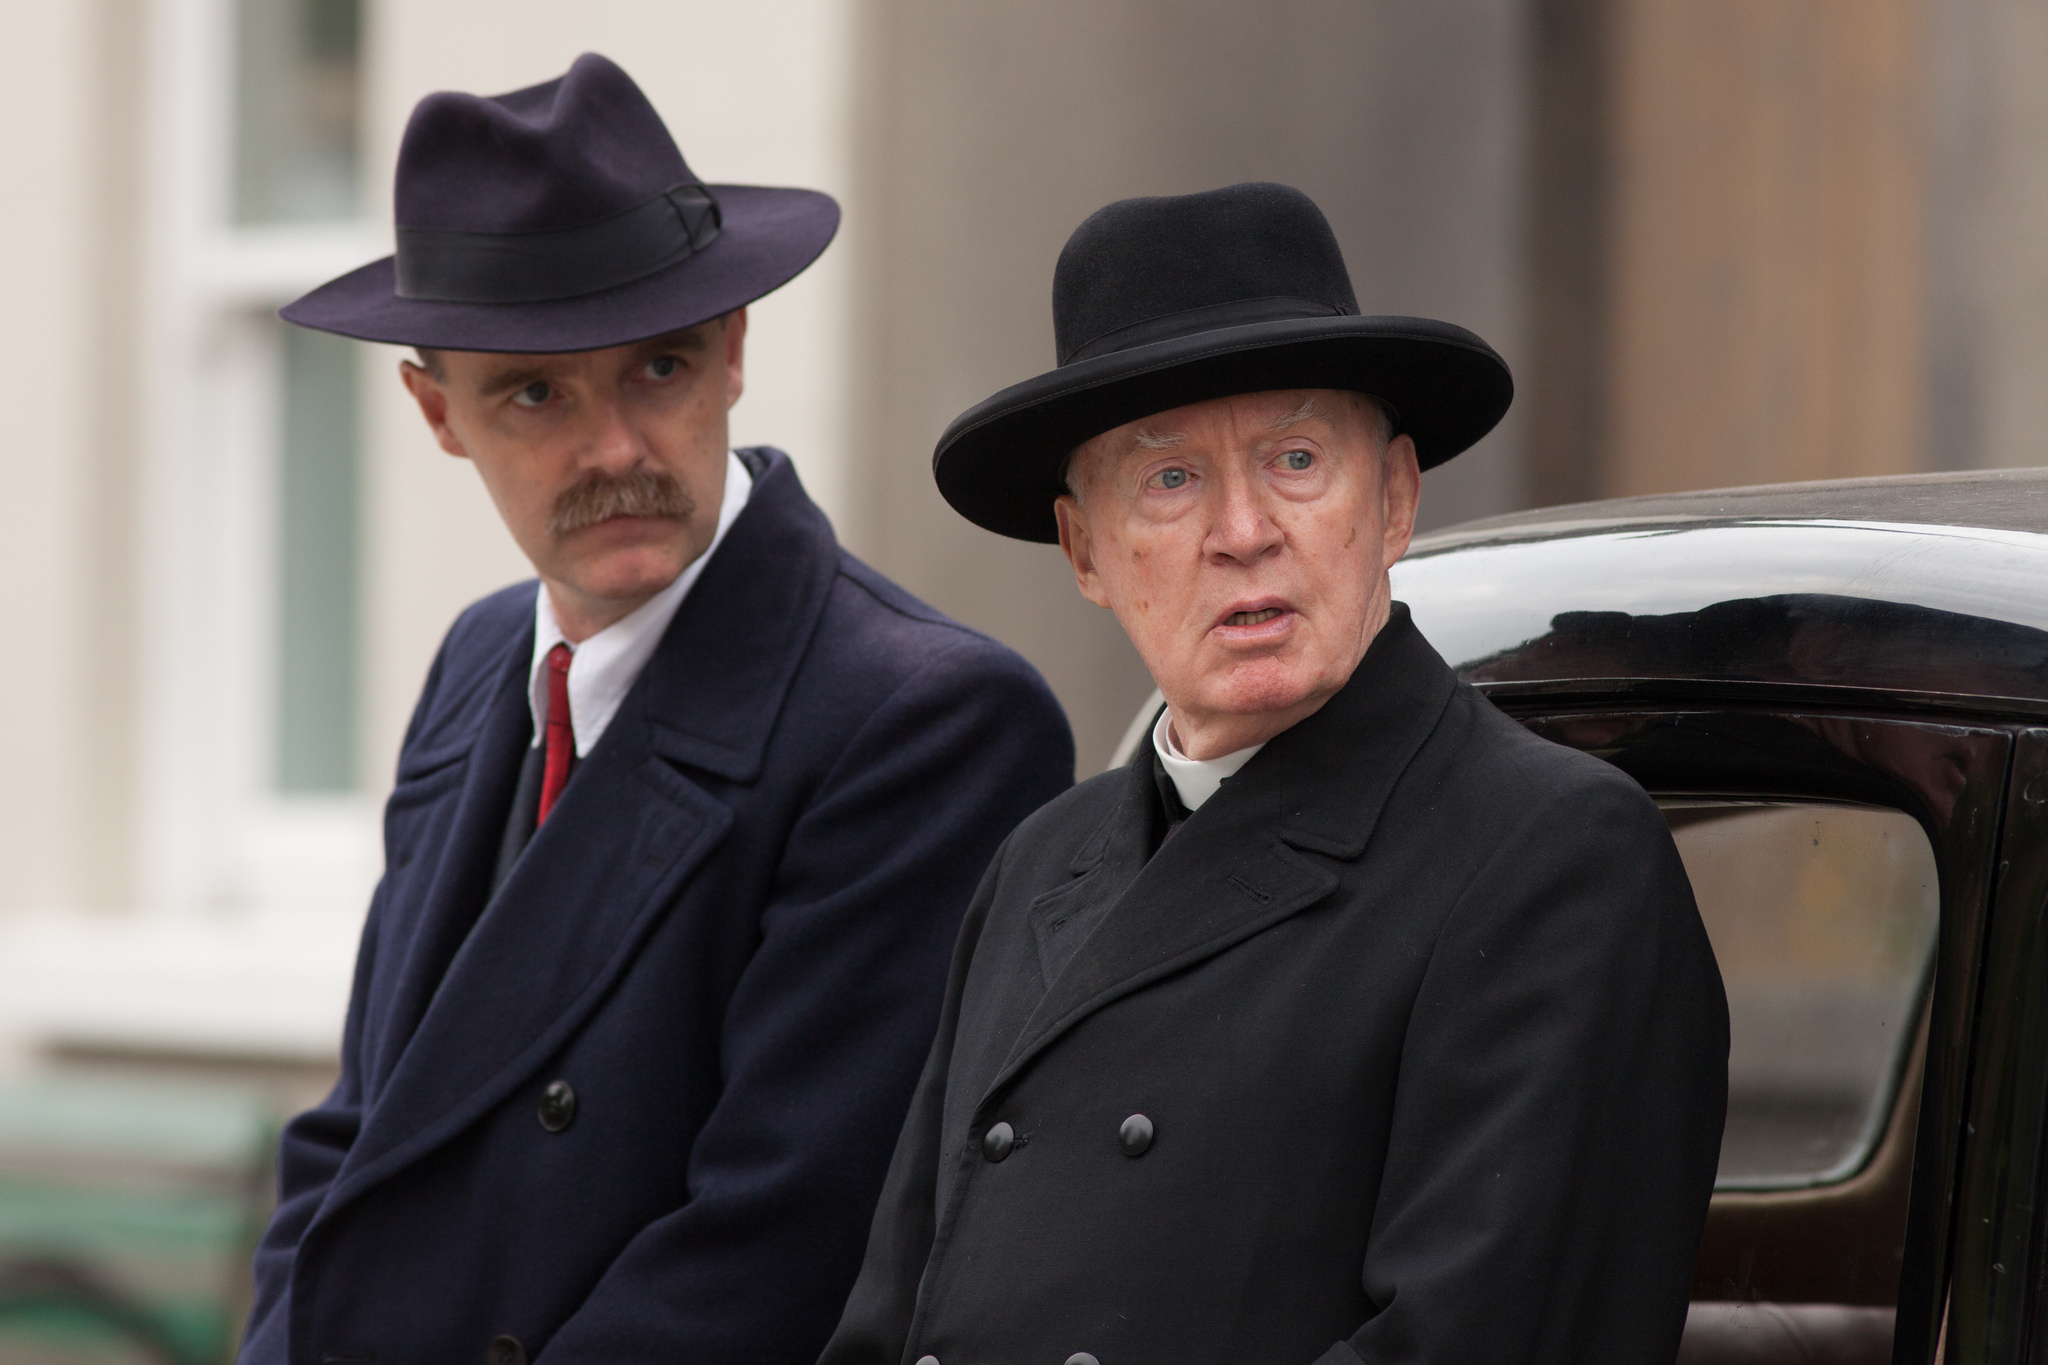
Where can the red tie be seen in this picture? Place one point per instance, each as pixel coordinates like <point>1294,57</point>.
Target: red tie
<point>561,733</point>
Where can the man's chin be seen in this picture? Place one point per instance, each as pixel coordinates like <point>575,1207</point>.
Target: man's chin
<point>1263,692</point>
<point>628,576</point>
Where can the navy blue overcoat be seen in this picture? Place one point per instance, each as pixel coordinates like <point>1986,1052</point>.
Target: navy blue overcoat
<point>729,939</point>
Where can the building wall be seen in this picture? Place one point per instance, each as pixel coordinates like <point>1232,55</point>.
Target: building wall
<point>69,233</point>
<point>987,132</point>
<point>1718,240</point>
<point>1730,257</point>
<point>1987,340</point>
<point>1768,276</point>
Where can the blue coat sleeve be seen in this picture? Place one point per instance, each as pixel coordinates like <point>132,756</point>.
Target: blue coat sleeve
<point>829,1027</point>
<point>315,1144</point>
<point>310,1153</point>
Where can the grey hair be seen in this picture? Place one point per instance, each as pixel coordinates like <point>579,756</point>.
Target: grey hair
<point>1385,427</point>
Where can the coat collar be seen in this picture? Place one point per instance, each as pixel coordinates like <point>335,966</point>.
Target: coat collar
<point>1238,865</point>
<point>712,692</point>
<point>1353,751</point>
<point>615,851</point>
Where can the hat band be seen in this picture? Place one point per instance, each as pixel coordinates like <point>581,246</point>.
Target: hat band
<point>1208,318</point>
<point>568,263</point>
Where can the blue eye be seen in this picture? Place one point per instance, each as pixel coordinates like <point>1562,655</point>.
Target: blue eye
<point>1297,460</point>
<point>662,366</point>
<point>1172,478</point>
<point>533,395</point>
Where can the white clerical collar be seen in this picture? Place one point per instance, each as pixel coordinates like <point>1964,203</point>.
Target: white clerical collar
<point>1196,779</point>
<point>603,668</point>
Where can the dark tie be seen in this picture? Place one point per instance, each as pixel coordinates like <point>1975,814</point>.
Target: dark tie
<point>561,734</point>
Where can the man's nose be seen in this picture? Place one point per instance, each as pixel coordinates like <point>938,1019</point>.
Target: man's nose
<point>1242,529</point>
<point>614,443</point>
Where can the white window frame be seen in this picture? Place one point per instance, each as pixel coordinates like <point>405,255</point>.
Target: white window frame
<point>217,836</point>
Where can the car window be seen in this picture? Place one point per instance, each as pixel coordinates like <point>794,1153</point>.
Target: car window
<point>1823,919</point>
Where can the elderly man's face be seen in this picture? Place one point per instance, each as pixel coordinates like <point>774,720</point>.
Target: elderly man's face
<point>1243,544</point>
<point>608,466</point>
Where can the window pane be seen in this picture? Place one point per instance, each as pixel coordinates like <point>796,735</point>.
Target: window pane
<point>1823,918</point>
<point>316,734</point>
<point>298,105</point>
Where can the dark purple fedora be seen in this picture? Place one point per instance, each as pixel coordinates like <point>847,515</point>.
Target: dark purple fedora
<point>1159,303</point>
<point>561,217</point>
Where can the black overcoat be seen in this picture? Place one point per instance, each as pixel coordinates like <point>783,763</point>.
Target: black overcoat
<point>1425,1023</point>
<point>729,940</point>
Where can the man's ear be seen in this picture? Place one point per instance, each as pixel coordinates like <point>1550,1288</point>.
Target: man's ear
<point>1400,496</point>
<point>433,401</point>
<point>1078,544</point>
<point>735,356</point>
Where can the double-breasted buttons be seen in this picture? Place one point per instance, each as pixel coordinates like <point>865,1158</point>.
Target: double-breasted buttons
<point>1134,1137</point>
<point>505,1351</point>
<point>557,1111</point>
<point>1082,1358</point>
<point>998,1142</point>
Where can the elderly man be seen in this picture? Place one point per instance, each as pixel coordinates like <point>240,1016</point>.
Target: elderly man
<point>682,833</point>
<point>1349,1022</point>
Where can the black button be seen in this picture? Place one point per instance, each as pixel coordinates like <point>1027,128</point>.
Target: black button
<point>1134,1137</point>
<point>1082,1358</point>
<point>557,1111</point>
<point>998,1141</point>
<point>506,1350</point>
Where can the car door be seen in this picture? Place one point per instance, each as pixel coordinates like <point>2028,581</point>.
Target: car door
<point>1844,863</point>
<point>1998,1311</point>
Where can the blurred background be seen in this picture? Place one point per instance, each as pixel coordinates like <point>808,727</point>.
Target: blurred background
<point>1720,241</point>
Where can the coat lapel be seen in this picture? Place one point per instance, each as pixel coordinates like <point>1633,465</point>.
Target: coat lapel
<point>618,849</point>
<point>614,851</point>
<point>1247,859</point>
<point>498,725</point>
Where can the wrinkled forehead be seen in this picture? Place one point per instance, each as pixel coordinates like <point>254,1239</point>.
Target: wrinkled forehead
<point>1239,420</point>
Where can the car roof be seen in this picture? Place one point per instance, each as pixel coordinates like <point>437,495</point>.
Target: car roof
<point>1918,590</point>
<point>1991,499</point>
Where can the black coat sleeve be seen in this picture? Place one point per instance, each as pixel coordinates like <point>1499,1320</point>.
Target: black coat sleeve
<point>1558,1118</point>
<point>876,1323</point>
<point>830,1022</point>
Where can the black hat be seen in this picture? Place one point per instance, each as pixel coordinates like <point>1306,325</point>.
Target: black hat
<point>561,217</point>
<point>1159,303</point>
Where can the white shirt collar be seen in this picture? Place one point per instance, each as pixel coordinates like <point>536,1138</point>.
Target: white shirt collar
<point>604,667</point>
<point>1196,779</point>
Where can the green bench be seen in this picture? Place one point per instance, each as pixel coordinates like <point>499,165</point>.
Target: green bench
<point>128,1209</point>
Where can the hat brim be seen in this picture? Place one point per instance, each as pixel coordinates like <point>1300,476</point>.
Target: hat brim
<point>768,237</point>
<point>999,463</point>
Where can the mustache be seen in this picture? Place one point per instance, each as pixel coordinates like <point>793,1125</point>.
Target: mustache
<point>599,496</point>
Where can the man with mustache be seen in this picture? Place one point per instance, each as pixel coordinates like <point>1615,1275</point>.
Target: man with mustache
<point>682,832</point>
<point>1350,1022</point>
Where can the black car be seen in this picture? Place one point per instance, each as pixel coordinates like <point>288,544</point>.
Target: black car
<point>1839,694</point>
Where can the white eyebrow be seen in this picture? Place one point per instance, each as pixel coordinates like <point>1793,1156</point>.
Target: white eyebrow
<point>1146,440</point>
<point>1300,414</point>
